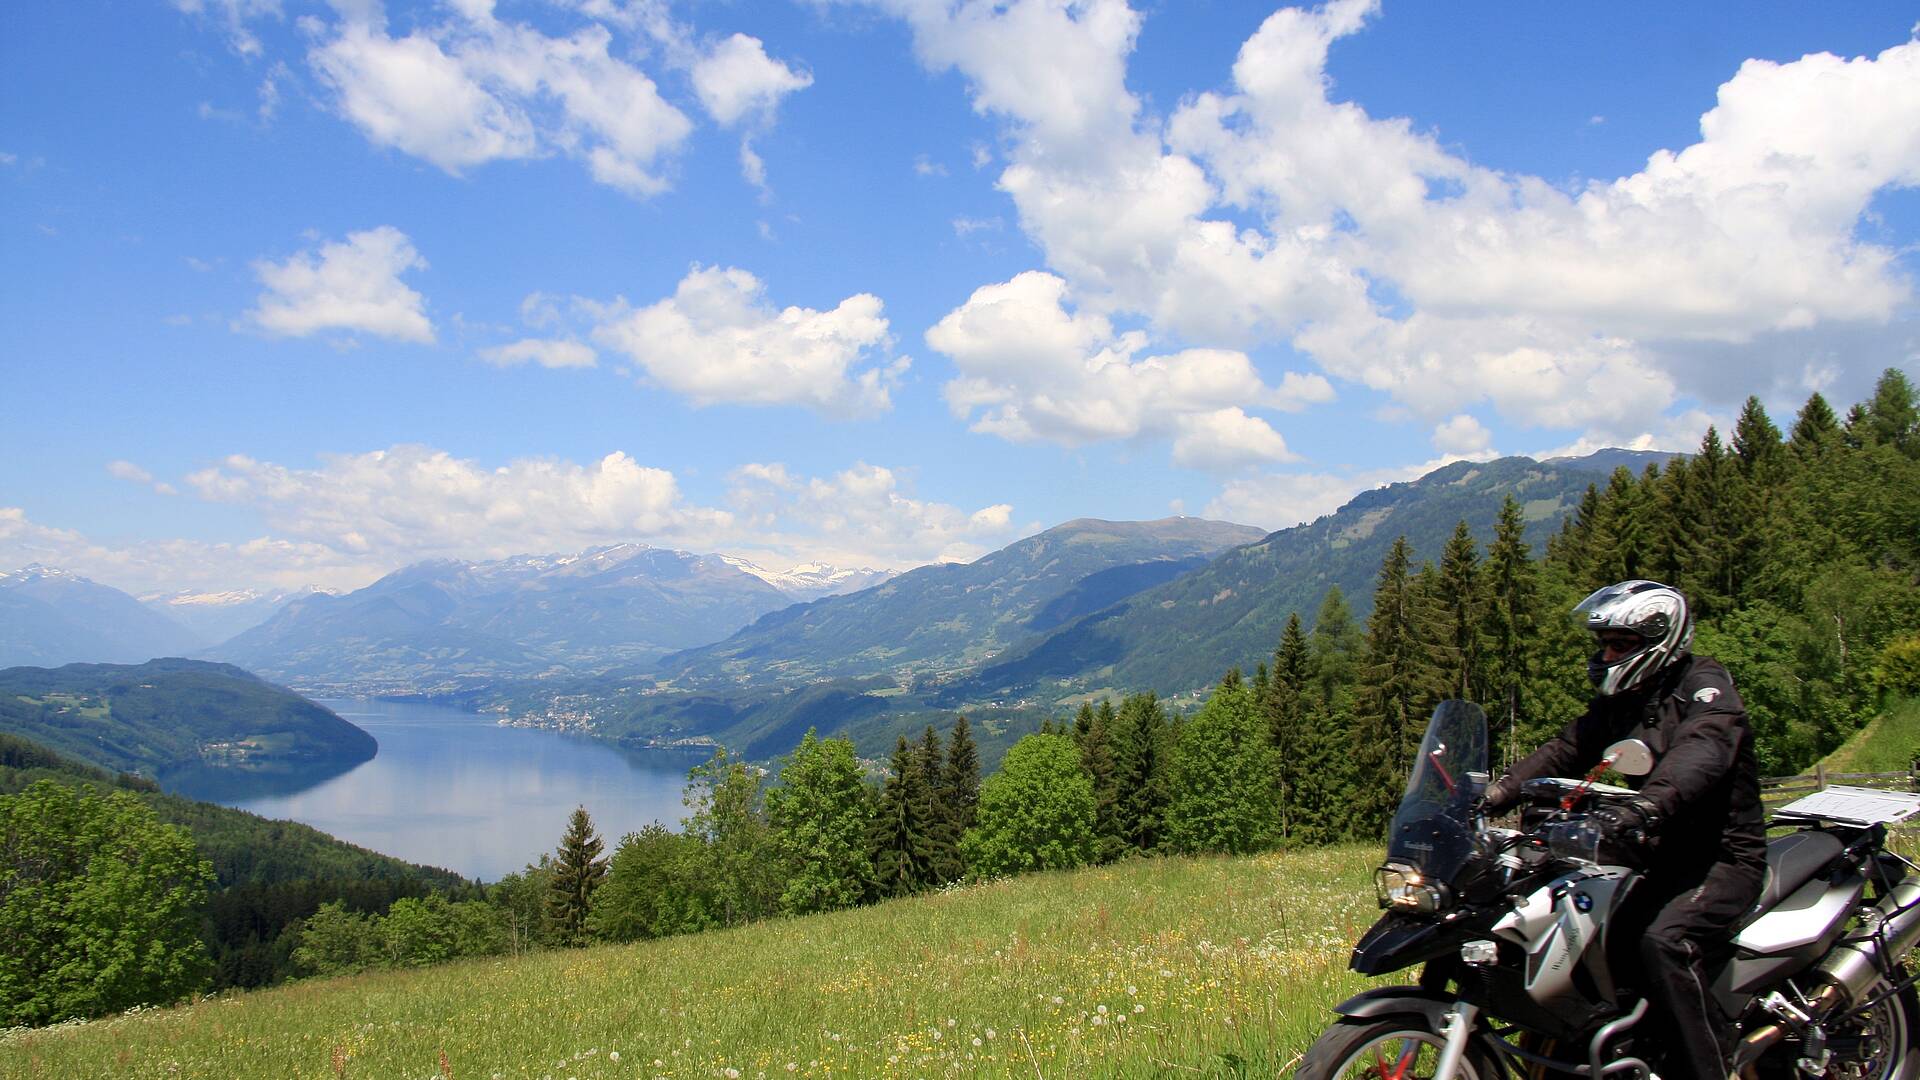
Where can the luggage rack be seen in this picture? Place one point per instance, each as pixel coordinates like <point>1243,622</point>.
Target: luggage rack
<point>1852,806</point>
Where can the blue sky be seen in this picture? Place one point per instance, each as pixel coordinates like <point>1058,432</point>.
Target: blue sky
<point>299,293</point>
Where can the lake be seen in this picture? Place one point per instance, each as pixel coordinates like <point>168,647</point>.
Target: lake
<point>455,789</point>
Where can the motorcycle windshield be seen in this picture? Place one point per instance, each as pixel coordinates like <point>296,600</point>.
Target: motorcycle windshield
<point>1433,830</point>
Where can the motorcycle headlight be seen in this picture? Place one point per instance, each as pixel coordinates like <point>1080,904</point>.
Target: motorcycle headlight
<point>1405,889</point>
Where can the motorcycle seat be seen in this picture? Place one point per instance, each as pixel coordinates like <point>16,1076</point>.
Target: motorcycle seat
<point>1792,860</point>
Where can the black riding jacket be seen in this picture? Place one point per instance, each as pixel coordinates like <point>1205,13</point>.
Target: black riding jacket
<point>1705,779</point>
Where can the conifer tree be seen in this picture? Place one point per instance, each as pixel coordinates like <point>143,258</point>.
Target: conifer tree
<point>1756,442</point>
<point>1573,546</point>
<point>1402,679</point>
<point>1140,751</point>
<point>1674,536</point>
<point>1815,429</point>
<point>902,852</point>
<point>960,779</point>
<point>1461,599</point>
<point>1285,709</point>
<point>1336,647</point>
<point>1709,577</point>
<point>943,840</point>
<point>578,870</point>
<point>1617,545</point>
<point>1892,416</point>
<point>1508,629</point>
<point>1097,757</point>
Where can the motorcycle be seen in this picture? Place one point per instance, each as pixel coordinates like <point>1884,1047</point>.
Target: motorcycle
<point>1510,928</point>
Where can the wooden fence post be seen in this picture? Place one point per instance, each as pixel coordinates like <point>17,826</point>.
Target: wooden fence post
<point>1820,775</point>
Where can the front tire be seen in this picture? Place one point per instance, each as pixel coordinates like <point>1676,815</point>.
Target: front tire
<point>1399,1047</point>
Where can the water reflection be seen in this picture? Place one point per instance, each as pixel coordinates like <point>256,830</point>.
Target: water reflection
<point>449,788</point>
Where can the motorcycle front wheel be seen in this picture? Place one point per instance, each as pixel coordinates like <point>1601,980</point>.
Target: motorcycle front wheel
<point>1386,1048</point>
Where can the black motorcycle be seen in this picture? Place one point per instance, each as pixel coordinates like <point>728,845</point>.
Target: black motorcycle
<point>1510,929</point>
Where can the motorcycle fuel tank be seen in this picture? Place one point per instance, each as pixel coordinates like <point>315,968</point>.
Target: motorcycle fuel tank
<point>1557,924</point>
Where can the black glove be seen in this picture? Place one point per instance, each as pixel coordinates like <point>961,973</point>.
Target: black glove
<point>1500,797</point>
<point>1630,823</point>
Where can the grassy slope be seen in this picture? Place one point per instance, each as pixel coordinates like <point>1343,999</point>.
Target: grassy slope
<point>1210,961</point>
<point>1888,744</point>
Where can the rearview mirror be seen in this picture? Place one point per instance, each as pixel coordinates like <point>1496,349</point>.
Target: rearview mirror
<point>1629,757</point>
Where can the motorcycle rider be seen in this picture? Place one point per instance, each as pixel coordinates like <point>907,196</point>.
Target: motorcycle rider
<point>1696,821</point>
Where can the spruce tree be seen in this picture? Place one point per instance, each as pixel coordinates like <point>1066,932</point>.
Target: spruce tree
<point>1508,627</point>
<point>1573,546</point>
<point>578,870</point>
<point>1140,752</point>
<point>1402,680</point>
<point>1097,757</point>
<point>1285,710</point>
<point>1892,416</point>
<point>960,779</point>
<point>943,839</point>
<point>1461,599</point>
<point>1756,442</point>
<point>1815,429</point>
<point>902,852</point>
<point>1336,645</point>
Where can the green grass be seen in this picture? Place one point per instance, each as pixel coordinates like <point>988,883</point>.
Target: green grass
<point>1174,967</point>
<point>1888,743</point>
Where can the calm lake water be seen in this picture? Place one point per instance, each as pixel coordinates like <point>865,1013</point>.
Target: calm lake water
<point>455,789</point>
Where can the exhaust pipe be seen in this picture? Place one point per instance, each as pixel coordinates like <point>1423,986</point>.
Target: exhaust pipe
<point>1848,971</point>
<point>1854,964</point>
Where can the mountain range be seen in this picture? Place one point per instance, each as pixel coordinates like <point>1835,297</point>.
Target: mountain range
<point>434,625</point>
<point>940,618</point>
<point>50,616</point>
<point>216,616</point>
<point>939,640</point>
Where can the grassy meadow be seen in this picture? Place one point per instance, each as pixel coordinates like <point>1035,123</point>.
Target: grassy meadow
<point>1164,967</point>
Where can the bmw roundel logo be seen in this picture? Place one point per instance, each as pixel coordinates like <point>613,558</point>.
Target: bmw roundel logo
<point>1583,901</point>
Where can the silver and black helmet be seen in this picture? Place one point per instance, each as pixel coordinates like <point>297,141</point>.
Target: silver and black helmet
<point>1657,613</point>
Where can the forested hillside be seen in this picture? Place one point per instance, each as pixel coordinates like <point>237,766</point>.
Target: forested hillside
<point>1178,636</point>
<point>171,716</point>
<point>268,876</point>
<point>940,618</point>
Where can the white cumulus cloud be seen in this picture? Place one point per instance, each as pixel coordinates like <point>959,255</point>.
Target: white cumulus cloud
<point>736,80</point>
<point>1273,213</point>
<point>477,88</point>
<point>717,339</point>
<point>1033,370</point>
<point>416,501</point>
<point>352,285</point>
<point>864,515</point>
<point>1462,434</point>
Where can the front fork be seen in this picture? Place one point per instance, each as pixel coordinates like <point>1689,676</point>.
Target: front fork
<point>1457,1029</point>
